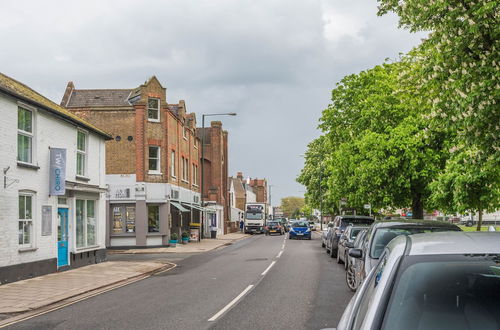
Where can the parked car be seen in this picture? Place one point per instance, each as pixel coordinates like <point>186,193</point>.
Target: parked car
<point>312,225</point>
<point>431,281</point>
<point>300,229</point>
<point>346,241</point>
<point>273,227</point>
<point>381,233</point>
<point>283,222</point>
<point>350,261</point>
<point>324,234</point>
<point>340,223</point>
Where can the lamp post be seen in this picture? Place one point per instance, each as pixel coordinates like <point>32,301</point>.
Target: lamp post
<point>203,160</point>
<point>271,200</point>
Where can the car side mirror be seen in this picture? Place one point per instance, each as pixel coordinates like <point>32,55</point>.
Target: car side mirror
<point>356,253</point>
<point>350,245</point>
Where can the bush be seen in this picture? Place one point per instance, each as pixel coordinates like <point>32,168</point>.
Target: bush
<point>174,236</point>
<point>185,234</point>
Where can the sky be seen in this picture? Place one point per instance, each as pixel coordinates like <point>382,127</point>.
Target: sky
<point>273,62</point>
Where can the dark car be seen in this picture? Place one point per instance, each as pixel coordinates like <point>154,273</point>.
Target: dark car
<point>340,223</point>
<point>273,227</point>
<point>380,234</point>
<point>283,223</point>
<point>299,229</point>
<point>346,241</point>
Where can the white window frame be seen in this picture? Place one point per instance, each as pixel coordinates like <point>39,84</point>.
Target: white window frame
<point>158,161</point>
<point>156,120</point>
<point>172,164</point>
<point>31,221</point>
<point>31,135</point>
<point>84,153</point>
<point>185,169</point>
<point>195,175</point>
<point>85,225</point>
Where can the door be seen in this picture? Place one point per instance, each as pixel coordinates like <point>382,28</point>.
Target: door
<point>62,237</point>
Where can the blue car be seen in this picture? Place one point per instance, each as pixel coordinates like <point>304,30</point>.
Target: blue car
<point>300,229</point>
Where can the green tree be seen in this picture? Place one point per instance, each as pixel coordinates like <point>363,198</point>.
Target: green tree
<point>291,206</point>
<point>382,148</point>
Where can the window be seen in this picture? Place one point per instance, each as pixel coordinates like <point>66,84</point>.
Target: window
<point>153,109</point>
<point>172,164</point>
<point>85,223</point>
<point>123,220</point>
<point>195,143</point>
<point>195,175</point>
<point>25,220</point>
<point>154,159</point>
<point>81,153</point>
<point>185,169</point>
<point>153,218</point>
<point>185,133</point>
<point>24,135</point>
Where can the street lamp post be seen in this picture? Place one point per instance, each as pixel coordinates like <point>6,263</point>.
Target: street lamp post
<point>203,161</point>
<point>271,200</point>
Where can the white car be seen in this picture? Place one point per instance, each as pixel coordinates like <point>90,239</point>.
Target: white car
<point>443,280</point>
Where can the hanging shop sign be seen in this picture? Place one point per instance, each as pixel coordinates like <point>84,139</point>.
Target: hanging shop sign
<point>57,177</point>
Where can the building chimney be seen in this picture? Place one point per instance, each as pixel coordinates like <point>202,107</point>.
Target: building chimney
<point>239,175</point>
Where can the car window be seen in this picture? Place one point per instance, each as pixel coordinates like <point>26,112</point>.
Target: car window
<point>446,292</point>
<point>354,232</point>
<point>368,292</point>
<point>300,224</point>
<point>359,239</point>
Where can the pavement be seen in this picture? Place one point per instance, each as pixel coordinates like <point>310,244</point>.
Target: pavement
<point>192,247</point>
<point>35,293</point>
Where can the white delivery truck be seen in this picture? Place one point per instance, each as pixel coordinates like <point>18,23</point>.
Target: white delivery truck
<point>255,217</point>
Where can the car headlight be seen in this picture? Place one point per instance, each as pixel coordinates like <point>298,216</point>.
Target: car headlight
<point>308,230</point>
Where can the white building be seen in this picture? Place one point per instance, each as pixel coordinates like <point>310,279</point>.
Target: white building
<point>42,233</point>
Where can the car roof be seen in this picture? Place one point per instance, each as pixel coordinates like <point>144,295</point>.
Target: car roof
<point>414,223</point>
<point>450,243</point>
<point>355,217</point>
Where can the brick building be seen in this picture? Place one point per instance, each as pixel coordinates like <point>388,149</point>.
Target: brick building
<point>259,187</point>
<point>215,167</point>
<point>152,164</point>
<point>53,194</point>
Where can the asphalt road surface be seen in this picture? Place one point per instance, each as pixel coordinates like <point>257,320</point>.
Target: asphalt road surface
<point>257,283</point>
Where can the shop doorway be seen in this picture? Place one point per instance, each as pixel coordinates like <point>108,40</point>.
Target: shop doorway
<point>62,237</point>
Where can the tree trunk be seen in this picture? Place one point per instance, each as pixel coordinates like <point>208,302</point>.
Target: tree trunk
<point>480,220</point>
<point>417,206</point>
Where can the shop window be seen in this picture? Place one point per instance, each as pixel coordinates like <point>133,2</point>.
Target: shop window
<point>25,220</point>
<point>123,217</point>
<point>86,224</point>
<point>153,218</point>
<point>25,135</point>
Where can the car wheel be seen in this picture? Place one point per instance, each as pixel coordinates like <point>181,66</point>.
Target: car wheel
<point>323,244</point>
<point>338,258</point>
<point>351,279</point>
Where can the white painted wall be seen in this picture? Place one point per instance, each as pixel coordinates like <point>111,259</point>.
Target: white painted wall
<point>50,131</point>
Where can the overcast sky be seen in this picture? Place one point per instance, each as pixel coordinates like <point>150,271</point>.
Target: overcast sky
<point>274,62</point>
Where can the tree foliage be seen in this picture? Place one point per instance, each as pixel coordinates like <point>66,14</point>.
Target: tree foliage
<point>291,205</point>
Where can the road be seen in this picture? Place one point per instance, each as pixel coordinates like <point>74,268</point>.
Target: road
<point>257,283</point>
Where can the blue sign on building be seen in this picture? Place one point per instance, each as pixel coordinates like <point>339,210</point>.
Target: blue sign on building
<point>57,177</point>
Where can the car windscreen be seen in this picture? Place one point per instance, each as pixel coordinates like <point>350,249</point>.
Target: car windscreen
<point>383,236</point>
<point>253,216</point>
<point>346,221</point>
<point>300,224</point>
<point>272,224</point>
<point>446,292</point>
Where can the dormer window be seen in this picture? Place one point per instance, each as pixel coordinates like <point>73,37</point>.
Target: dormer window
<point>154,109</point>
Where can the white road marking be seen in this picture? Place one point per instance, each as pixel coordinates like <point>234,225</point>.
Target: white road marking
<point>279,254</point>
<point>234,301</point>
<point>267,269</point>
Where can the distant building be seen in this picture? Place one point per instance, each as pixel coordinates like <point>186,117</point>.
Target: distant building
<point>152,163</point>
<point>215,169</point>
<point>259,187</point>
<point>53,194</point>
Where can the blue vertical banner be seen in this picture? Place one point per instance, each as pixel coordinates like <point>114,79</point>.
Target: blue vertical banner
<point>57,177</point>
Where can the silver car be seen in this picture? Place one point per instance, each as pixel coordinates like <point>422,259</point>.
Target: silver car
<point>380,234</point>
<point>444,280</point>
<point>346,242</point>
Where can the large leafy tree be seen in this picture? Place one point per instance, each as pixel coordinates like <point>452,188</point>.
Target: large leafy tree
<point>460,68</point>
<point>460,64</point>
<point>382,149</point>
<point>292,205</point>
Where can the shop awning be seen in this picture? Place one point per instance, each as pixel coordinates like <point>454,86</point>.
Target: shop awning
<point>194,206</point>
<point>179,206</point>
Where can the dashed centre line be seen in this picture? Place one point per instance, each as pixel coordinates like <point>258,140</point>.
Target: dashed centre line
<point>268,268</point>
<point>231,303</point>
<point>279,254</point>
